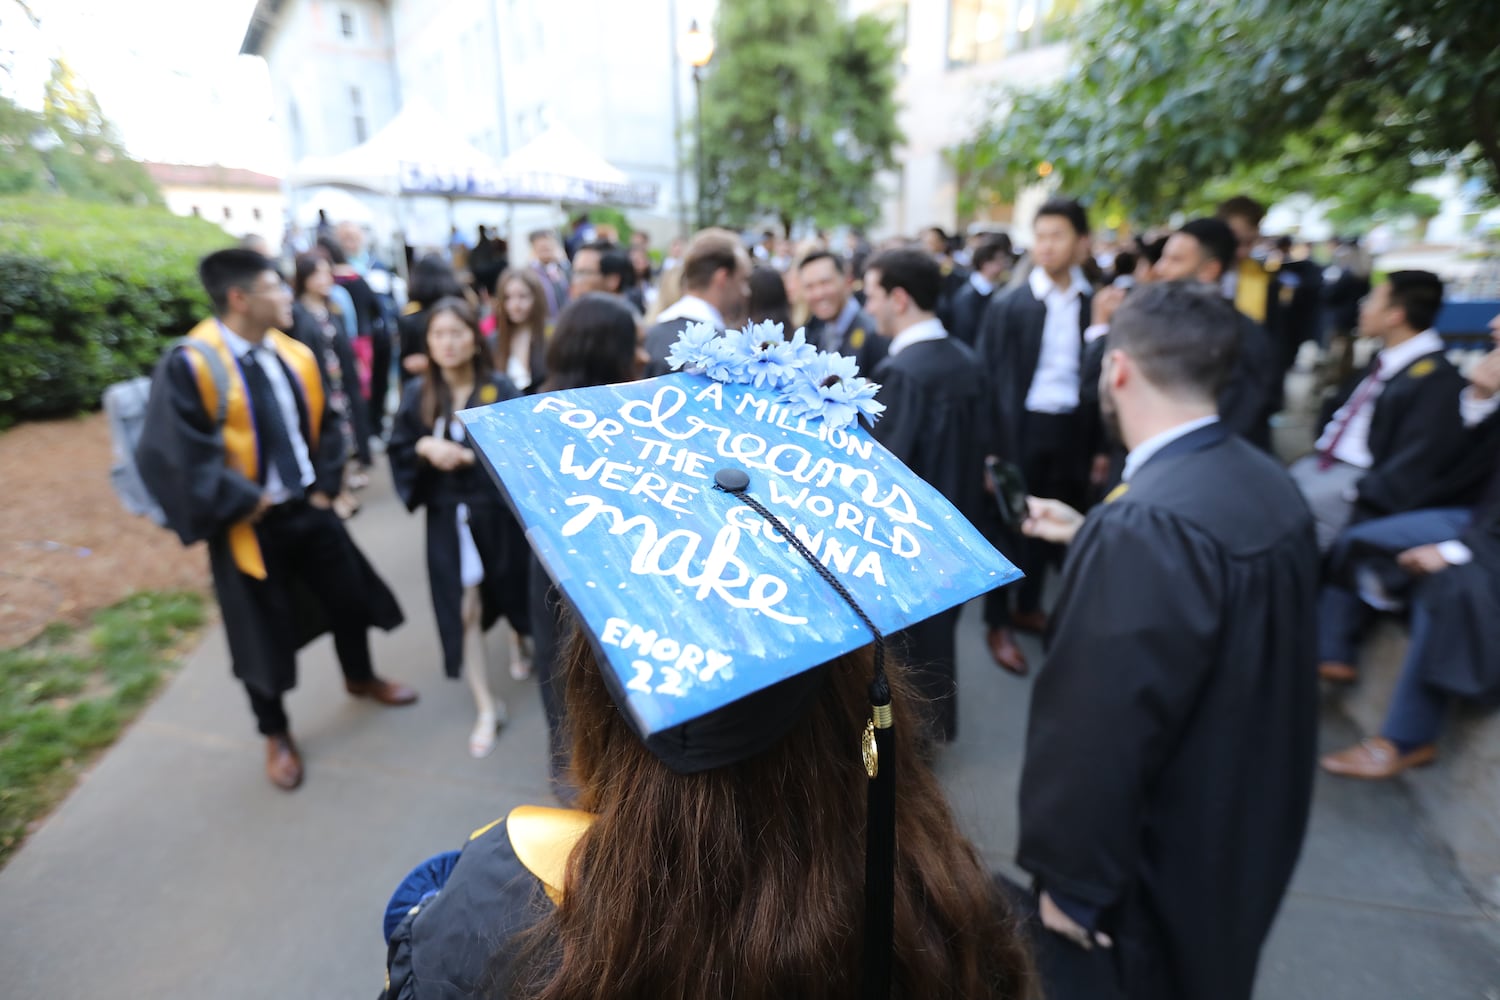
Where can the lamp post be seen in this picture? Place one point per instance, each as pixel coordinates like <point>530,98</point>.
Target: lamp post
<point>696,49</point>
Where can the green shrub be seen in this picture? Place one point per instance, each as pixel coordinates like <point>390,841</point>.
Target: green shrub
<point>88,294</point>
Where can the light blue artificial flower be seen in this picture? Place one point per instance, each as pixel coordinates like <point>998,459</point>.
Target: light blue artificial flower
<point>829,386</point>
<point>691,351</point>
<point>770,360</point>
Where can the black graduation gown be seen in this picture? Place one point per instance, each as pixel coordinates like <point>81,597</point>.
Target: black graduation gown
<point>497,535</point>
<point>1169,754</point>
<point>862,341</point>
<point>936,400</point>
<point>969,304</point>
<point>1416,438</point>
<point>181,460</point>
<point>1463,650</point>
<point>1009,345</point>
<point>454,946</point>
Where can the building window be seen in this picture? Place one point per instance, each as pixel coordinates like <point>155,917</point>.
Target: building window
<point>982,31</point>
<point>255,214</point>
<point>977,30</point>
<point>346,24</point>
<point>228,215</point>
<point>357,107</point>
<point>196,213</point>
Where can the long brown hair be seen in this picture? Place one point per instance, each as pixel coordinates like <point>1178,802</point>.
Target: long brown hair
<point>536,320</point>
<point>747,881</point>
<point>437,394</point>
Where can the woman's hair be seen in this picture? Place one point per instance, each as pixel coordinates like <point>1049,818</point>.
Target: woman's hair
<point>768,300</point>
<point>593,343</point>
<point>306,265</point>
<point>747,881</point>
<point>433,279</point>
<point>536,320</point>
<point>437,395</point>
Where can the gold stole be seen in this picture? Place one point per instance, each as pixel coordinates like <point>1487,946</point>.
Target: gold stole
<point>240,452</point>
<point>1252,289</point>
<point>543,840</point>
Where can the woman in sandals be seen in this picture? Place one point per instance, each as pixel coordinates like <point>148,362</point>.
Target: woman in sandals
<point>477,557</point>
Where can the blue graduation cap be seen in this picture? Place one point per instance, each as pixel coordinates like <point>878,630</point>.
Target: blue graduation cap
<point>692,598</point>
<point>723,532</point>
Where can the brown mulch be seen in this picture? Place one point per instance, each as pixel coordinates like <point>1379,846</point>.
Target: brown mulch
<point>67,546</point>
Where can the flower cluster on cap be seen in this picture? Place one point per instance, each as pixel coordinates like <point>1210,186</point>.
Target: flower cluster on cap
<point>813,384</point>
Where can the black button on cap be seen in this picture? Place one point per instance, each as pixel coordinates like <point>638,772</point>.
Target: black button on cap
<point>732,480</point>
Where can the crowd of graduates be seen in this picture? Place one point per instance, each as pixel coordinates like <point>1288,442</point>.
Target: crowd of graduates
<point>1106,413</point>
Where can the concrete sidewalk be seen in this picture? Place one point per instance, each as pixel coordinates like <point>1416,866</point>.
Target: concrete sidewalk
<point>177,870</point>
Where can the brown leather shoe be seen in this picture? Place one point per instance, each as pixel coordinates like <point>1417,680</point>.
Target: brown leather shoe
<point>1030,621</point>
<point>1337,673</point>
<point>283,763</point>
<point>385,692</point>
<point>1376,758</point>
<point>1007,654</point>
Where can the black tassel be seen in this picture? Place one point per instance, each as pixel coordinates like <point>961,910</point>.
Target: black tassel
<point>880,764</point>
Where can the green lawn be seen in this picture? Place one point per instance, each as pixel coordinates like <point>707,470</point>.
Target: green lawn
<point>66,695</point>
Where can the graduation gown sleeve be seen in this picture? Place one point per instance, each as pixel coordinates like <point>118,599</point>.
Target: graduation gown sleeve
<point>181,458</point>
<point>412,476</point>
<point>1135,640</point>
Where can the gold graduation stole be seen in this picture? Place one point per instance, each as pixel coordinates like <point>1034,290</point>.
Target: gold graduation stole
<point>1251,290</point>
<point>240,452</point>
<point>543,840</point>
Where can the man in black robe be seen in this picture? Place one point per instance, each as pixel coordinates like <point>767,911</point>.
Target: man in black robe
<point>1203,250</point>
<point>258,489</point>
<point>992,261</point>
<point>935,398</point>
<point>1031,344</point>
<point>837,324</point>
<point>715,290</point>
<point>1169,755</point>
<point>1390,437</point>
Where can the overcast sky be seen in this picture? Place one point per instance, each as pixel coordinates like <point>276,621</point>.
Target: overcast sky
<point>166,72</point>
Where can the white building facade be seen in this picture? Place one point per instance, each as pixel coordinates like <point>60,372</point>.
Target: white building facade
<point>956,56</point>
<point>241,202</point>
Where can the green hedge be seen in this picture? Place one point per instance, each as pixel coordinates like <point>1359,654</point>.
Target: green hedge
<point>88,294</point>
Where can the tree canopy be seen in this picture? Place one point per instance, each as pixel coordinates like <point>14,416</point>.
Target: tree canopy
<point>1353,99</point>
<point>69,148</point>
<point>799,114</point>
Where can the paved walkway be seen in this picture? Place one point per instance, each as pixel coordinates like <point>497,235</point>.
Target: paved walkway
<point>177,871</point>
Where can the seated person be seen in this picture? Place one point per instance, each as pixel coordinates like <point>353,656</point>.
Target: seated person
<point>1343,611</point>
<point>1455,630</point>
<point>1455,604</point>
<point>720,845</point>
<point>1396,432</point>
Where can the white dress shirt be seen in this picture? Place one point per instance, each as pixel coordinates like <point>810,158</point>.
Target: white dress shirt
<point>1353,446</point>
<point>1054,386</point>
<point>692,308</point>
<point>982,285</point>
<point>927,329</point>
<point>1147,449</point>
<point>269,363</point>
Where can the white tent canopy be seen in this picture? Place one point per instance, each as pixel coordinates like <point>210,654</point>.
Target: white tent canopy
<point>559,152</point>
<point>558,166</point>
<point>378,164</point>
